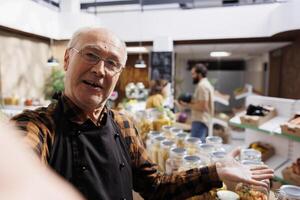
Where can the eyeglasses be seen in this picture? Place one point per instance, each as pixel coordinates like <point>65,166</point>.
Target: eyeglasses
<point>91,57</point>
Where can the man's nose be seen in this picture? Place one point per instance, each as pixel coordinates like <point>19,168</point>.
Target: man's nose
<point>99,68</point>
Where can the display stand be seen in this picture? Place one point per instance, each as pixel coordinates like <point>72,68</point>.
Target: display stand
<point>287,147</point>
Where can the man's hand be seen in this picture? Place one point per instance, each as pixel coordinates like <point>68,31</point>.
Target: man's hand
<point>231,172</point>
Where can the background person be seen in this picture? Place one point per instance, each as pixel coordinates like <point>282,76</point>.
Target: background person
<point>202,104</point>
<point>156,95</point>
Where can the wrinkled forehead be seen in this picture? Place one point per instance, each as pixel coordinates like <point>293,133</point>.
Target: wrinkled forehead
<point>102,40</point>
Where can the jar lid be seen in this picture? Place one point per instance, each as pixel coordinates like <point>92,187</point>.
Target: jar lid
<point>192,158</point>
<point>290,191</point>
<point>178,150</point>
<point>176,130</point>
<point>251,162</point>
<point>206,146</point>
<point>227,195</point>
<point>159,138</point>
<point>154,133</point>
<point>193,140</point>
<point>213,139</point>
<point>250,152</point>
<point>166,127</point>
<point>181,135</point>
<point>218,154</point>
<point>168,143</point>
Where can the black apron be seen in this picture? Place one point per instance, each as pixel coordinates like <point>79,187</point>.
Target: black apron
<point>95,160</point>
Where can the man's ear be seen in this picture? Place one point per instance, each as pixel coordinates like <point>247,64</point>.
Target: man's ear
<point>66,59</point>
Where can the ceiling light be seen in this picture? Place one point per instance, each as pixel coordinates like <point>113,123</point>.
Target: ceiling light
<point>140,63</point>
<point>137,49</point>
<point>52,62</point>
<point>220,54</point>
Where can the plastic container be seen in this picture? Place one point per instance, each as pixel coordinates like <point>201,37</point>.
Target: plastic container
<point>166,130</point>
<point>180,138</point>
<point>155,150</point>
<point>175,161</point>
<point>165,147</point>
<point>250,154</point>
<point>289,192</point>
<point>149,141</point>
<point>217,156</point>
<point>174,131</point>
<point>227,195</point>
<point>216,141</point>
<point>247,191</point>
<point>190,162</point>
<point>205,151</point>
<point>192,145</point>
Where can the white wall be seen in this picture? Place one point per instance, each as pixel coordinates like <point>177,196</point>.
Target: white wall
<point>255,74</point>
<point>211,23</point>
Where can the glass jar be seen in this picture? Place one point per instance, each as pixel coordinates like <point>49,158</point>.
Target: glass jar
<point>205,151</point>
<point>250,154</point>
<point>155,150</point>
<point>164,154</point>
<point>166,130</point>
<point>216,141</point>
<point>174,131</point>
<point>174,162</point>
<point>192,145</point>
<point>160,121</point>
<point>289,192</point>
<point>149,141</point>
<point>217,156</point>
<point>190,162</point>
<point>180,138</point>
<point>246,191</point>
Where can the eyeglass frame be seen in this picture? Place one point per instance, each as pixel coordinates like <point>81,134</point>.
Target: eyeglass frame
<point>99,59</point>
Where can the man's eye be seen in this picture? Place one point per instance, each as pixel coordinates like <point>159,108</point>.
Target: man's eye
<point>112,63</point>
<point>91,56</point>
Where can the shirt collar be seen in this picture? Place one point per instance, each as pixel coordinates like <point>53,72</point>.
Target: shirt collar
<point>76,115</point>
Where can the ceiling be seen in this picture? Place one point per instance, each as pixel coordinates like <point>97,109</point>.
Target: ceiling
<point>96,6</point>
<point>237,50</point>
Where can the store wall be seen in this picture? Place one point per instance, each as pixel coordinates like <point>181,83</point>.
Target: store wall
<point>132,74</point>
<point>255,73</point>
<point>284,71</point>
<point>23,65</point>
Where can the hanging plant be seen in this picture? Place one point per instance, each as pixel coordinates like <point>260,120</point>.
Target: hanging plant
<point>54,83</point>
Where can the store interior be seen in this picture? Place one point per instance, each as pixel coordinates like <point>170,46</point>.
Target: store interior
<point>250,47</point>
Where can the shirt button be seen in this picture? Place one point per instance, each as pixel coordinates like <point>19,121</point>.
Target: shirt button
<point>83,168</point>
<point>122,165</point>
<point>123,199</point>
<point>78,133</point>
<point>117,135</point>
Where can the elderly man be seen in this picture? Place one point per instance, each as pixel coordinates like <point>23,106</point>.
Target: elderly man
<point>97,149</point>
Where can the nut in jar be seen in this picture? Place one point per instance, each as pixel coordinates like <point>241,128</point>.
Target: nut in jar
<point>164,154</point>
<point>180,138</point>
<point>192,145</point>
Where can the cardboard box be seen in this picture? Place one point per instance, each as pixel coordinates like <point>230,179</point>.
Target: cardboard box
<point>290,176</point>
<point>290,129</point>
<point>257,120</point>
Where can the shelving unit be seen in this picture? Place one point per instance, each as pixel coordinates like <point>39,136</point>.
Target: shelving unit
<point>287,147</point>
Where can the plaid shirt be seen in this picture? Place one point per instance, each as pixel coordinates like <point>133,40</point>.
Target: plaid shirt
<point>39,132</point>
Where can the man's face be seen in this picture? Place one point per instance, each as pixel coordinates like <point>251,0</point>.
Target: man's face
<point>196,77</point>
<point>89,85</point>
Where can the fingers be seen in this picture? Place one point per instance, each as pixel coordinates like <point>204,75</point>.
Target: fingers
<point>263,171</point>
<point>235,152</point>
<point>259,167</point>
<point>262,176</point>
